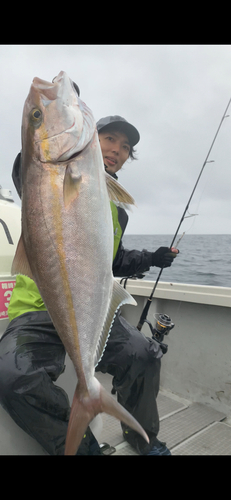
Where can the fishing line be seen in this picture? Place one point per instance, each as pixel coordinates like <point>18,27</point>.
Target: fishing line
<point>193,216</point>
<point>197,209</point>
<point>149,301</point>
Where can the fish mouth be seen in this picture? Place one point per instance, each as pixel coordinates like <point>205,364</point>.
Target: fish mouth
<point>47,89</point>
<point>63,145</point>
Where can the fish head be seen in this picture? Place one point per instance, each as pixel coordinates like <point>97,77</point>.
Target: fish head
<point>56,123</point>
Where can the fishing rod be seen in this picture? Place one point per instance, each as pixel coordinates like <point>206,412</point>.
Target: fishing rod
<point>149,301</point>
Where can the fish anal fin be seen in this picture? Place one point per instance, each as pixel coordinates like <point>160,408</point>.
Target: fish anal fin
<point>71,185</point>
<point>120,296</point>
<point>20,263</point>
<point>118,193</point>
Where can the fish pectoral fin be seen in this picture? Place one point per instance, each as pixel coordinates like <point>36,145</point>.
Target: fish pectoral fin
<point>117,193</point>
<point>71,185</point>
<point>120,296</point>
<point>20,263</point>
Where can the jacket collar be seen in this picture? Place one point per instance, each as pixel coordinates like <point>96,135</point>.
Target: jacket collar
<point>113,175</point>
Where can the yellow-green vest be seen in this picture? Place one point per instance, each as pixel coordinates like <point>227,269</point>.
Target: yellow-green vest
<point>26,297</point>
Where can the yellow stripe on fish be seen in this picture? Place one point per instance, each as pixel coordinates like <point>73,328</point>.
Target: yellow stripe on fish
<point>57,218</point>
<point>44,143</point>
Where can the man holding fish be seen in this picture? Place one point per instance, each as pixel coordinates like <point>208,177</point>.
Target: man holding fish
<point>64,286</point>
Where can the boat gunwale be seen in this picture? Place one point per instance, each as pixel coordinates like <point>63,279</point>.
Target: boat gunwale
<point>199,294</point>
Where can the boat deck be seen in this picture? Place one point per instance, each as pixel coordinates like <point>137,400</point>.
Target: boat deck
<point>186,428</point>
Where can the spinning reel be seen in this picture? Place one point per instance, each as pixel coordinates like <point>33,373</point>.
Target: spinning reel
<point>162,327</point>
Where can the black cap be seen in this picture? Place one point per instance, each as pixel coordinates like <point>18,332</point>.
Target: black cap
<point>120,124</point>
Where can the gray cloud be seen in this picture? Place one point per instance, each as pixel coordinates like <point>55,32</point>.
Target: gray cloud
<point>174,94</point>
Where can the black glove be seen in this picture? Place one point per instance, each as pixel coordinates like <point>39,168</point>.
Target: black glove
<point>163,257</point>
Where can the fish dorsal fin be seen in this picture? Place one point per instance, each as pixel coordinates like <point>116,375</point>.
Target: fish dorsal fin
<point>119,297</point>
<point>20,263</point>
<point>71,185</point>
<point>117,193</point>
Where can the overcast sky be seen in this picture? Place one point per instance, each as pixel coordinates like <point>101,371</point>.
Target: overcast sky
<point>175,96</point>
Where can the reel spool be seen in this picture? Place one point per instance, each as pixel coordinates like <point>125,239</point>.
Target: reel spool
<point>162,327</point>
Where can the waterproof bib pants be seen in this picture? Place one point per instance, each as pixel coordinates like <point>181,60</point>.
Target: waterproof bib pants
<point>32,357</point>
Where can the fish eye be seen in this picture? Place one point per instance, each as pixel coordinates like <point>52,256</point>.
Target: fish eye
<point>36,114</point>
<point>36,117</point>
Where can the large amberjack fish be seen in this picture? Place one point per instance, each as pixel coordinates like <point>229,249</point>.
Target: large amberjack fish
<point>66,245</point>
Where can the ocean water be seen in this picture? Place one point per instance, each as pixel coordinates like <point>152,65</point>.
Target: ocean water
<point>203,259</point>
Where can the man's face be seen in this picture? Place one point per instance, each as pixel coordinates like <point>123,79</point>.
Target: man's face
<point>115,150</point>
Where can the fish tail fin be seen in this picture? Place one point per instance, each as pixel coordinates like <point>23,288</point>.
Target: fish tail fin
<point>86,407</point>
<point>80,417</point>
<point>112,407</point>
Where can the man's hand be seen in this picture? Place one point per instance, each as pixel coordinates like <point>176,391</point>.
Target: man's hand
<point>164,256</point>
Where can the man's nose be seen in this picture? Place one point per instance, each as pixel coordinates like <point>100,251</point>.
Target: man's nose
<point>116,147</point>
